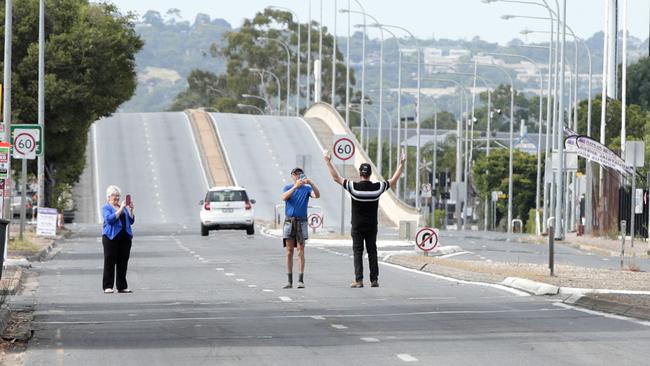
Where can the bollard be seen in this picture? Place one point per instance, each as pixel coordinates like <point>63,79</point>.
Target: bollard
<point>551,244</point>
<point>623,229</point>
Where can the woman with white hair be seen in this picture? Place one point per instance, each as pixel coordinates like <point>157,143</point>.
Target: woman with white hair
<point>116,238</point>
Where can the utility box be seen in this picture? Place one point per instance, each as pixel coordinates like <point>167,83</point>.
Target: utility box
<point>407,229</point>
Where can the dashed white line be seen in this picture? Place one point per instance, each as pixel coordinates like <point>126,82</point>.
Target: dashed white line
<point>285,298</point>
<point>219,269</point>
<point>370,340</point>
<point>230,274</point>
<point>318,317</point>
<point>339,326</point>
<point>252,286</point>
<point>240,280</point>
<point>267,290</point>
<point>406,357</point>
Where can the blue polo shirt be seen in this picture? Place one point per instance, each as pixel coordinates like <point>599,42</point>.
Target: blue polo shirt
<point>296,205</point>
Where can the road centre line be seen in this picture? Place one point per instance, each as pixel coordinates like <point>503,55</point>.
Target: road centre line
<point>338,326</point>
<point>285,298</point>
<point>406,357</point>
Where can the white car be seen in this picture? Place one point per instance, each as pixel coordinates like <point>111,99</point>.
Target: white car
<point>227,208</point>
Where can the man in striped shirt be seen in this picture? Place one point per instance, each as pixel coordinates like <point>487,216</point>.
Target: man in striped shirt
<point>365,203</point>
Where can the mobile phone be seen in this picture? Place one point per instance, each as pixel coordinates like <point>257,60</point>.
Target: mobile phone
<point>302,176</point>
<point>128,200</point>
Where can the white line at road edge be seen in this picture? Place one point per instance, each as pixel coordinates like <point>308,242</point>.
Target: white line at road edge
<point>223,148</point>
<point>97,202</point>
<point>196,150</point>
<point>450,279</point>
<point>600,313</point>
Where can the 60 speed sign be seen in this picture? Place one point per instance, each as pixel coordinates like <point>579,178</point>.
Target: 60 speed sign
<point>25,146</point>
<point>343,148</point>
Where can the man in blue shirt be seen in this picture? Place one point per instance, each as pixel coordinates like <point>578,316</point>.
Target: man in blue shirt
<point>295,230</point>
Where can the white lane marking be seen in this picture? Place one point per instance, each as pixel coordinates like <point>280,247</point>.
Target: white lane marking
<point>99,207</point>
<point>285,298</point>
<point>219,269</point>
<point>454,254</point>
<point>230,274</point>
<point>252,286</point>
<point>318,317</point>
<point>338,326</point>
<point>267,290</point>
<point>604,315</point>
<point>196,150</point>
<point>406,357</point>
<point>370,340</point>
<point>240,280</point>
<point>500,287</point>
<point>192,252</point>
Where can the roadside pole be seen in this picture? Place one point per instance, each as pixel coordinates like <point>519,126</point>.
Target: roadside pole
<point>343,149</point>
<point>6,109</point>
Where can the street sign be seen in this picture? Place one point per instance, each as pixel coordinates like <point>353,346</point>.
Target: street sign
<point>46,221</point>
<point>26,141</point>
<point>343,148</point>
<point>634,153</point>
<point>4,160</point>
<point>315,221</point>
<point>426,190</point>
<point>426,239</point>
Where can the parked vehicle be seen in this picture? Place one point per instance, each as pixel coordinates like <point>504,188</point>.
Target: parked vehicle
<point>227,208</point>
<point>16,204</point>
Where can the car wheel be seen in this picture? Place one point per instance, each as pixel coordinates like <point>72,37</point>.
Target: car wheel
<point>204,230</point>
<point>250,230</point>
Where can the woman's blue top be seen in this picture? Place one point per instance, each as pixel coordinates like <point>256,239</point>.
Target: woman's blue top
<point>112,223</point>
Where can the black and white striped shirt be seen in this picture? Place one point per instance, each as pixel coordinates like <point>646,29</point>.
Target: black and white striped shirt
<point>365,202</point>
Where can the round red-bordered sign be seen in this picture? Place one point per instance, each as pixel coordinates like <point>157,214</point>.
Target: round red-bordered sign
<point>425,239</point>
<point>343,148</point>
<point>314,221</point>
<point>24,143</point>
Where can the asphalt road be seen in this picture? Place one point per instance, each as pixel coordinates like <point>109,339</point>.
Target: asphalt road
<point>217,300</point>
<point>264,149</point>
<point>153,157</point>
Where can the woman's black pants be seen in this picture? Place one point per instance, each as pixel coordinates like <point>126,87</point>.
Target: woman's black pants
<point>116,255</point>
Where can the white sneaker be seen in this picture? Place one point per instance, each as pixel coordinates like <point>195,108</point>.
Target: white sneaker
<point>108,291</point>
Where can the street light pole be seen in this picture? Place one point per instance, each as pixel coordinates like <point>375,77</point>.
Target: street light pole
<point>560,145</point>
<point>286,48</point>
<point>41,101</point>
<point>277,83</point>
<point>336,10</point>
<point>297,58</point>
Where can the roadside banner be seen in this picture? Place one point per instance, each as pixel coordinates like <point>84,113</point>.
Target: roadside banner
<point>46,221</point>
<point>593,150</point>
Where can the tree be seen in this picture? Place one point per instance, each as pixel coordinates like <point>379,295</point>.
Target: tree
<point>90,71</point>
<point>244,51</point>
<point>491,174</point>
<point>638,83</point>
<point>446,121</point>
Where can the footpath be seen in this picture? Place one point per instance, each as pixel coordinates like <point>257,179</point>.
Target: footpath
<point>17,287</point>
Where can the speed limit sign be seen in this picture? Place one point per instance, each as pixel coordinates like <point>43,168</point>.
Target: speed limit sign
<point>26,141</point>
<point>343,148</point>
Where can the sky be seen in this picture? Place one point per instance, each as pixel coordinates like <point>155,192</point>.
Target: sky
<point>452,19</point>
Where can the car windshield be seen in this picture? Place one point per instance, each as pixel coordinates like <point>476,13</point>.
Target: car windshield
<point>227,196</point>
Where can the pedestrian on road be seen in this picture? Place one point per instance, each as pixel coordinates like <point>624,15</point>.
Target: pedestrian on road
<point>295,230</point>
<point>116,239</point>
<point>365,203</point>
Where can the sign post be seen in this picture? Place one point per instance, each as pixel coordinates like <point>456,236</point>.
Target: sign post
<point>26,144</point>
<point>634,154</point>
<point>314,221</point>
<point>343,150</point>
<point>426,239</point>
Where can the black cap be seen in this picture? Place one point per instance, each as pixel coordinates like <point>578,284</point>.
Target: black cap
<point>297,170</point>
<point>365,169</point>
